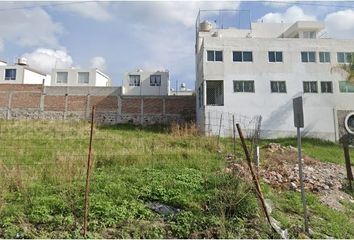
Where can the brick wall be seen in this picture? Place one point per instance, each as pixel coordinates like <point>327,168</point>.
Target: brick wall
<point>111,108</point>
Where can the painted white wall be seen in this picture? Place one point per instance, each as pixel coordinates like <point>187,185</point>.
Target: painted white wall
<point>24,75</point>
<point>32,77</point>
<point>96,78</point>
<point>276,108</point>
<point>145,88</point>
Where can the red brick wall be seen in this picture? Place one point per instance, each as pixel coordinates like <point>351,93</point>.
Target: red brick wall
<point>131,105</point>
<point>77,103</point>
<point>4,99</point>
<point>106,103</point>
<point>153,106</point>
<point>21,87</point>
<point>54,103</point>
<point>179,105</point>
<point>25,100</point>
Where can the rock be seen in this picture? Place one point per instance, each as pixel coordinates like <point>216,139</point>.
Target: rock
<point>162,209</point>
<point>293,186</point>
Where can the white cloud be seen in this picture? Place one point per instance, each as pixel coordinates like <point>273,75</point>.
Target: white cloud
<point>45,59</point>
<point>291,15</point>
<point>175,12</point>
<point>92,10</point>
<point>98,62</point>
<point>340,24</point>
<point>28,27</point>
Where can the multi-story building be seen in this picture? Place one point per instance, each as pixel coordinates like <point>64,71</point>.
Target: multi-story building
<point>259,70</point>
<point>80,77</point>
<point>145,83</point>
<point>21,73</point>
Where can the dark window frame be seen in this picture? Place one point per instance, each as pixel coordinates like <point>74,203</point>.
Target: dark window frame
<point>239,56</point>
<point>215,56</point>
<point>278,88</point>
<point>134,83</point>
<point>10,74</point>
<point>309,88</point>
<point>306,56</point>
<point>155,80</point>
<point>275,56</point>
<point>325,88</point>
<point>240,86</point>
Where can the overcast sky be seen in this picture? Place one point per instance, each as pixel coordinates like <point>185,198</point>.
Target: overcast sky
<point>121,36</point>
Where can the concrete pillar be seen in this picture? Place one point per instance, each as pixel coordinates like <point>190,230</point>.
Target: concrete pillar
<point>9,106</point>
<point>141,110</point>
<point>87,110</point>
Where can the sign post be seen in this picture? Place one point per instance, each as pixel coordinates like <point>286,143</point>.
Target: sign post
<point>299,123</point>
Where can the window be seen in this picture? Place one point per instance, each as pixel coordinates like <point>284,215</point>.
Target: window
<point>10,74</point>
<point>325,57</point>
<point>326,87</point>
<point>346,87</point>
<point>134,80</point>
<point>310,87</point>
<point>215,93</point>
<point>243,86</point>
<point>214,56</point>
<point>62,77</point>
<point>308,57</point>
<point>345,57</point>
<point>278,86</point>
<point>83,77</point>
<point>309,34</point>
<point>275,56</point>
<point>155,80</point>
<point>245,56</point>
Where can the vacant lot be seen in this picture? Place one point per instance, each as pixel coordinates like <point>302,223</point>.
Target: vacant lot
<point>153,182</point>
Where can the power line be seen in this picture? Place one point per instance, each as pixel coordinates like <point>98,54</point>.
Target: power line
<point>43,5</point>
<point>310,4</point>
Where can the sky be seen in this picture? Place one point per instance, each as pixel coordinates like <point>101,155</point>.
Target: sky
<point>122,36</point>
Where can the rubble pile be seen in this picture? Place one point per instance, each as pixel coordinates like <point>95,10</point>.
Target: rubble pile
<point>281,169</point>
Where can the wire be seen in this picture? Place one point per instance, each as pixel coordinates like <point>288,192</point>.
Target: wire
<point>309,4</point>
<point>43,5</point>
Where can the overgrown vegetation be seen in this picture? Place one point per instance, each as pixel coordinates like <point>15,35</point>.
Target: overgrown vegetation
<point>42,183</point>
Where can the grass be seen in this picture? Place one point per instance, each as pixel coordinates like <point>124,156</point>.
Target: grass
<point>42,180</point>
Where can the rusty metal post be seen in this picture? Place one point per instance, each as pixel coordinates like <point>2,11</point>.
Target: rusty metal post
<point>88,172</point>
<point>254,177</point>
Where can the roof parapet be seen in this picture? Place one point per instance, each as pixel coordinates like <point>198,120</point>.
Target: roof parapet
<point>302,26</point>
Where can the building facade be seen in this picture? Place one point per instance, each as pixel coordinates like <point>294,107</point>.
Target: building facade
<point>80,77</point>
<point>21,73</point>
<point>145,83</point>
<point>258,71</point>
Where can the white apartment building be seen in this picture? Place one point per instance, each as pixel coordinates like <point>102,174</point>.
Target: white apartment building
<point>258,71</point>
<point>21,73</point>
<point>146,83</point>
<point>80,77</point>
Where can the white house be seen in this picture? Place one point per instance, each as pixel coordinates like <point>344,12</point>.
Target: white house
<point>258,71</point>
<point>80,77</point>
<point>146,83</point>
<point>21,73</point>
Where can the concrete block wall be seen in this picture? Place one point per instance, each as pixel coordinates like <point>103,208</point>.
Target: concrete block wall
<point>19,101</point>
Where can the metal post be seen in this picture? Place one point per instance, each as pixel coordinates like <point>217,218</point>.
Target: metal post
<point>219,129</point>
<point>234,134</point>
<point>88,173</point>
<point>302,180</point>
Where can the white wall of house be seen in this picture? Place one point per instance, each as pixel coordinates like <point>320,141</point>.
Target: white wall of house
<point>145,87</point>
<point>95,77</point>
<point>275,108</point>
<point>24,75</point>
